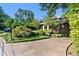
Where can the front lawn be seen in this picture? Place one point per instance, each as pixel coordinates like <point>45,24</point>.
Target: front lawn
<point>7,37</point>
<point>34,38</point>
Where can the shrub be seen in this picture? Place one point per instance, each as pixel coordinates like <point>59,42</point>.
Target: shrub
<point>35,33</point>
<point>48,32</point>
<point>74,33</point>
<point>41,32</point>
<point>44,32</point>
<point>74,26</point>
<point>57,35</point>
<point>21,31</point>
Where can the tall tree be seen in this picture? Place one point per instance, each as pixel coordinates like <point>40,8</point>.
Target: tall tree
<point>25,15</point>
<point>50,8</point>
<point>3,16</point>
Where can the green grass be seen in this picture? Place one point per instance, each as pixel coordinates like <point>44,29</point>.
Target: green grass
<point>8,39</point>
<point>28,39</point>
<point>5,35</point>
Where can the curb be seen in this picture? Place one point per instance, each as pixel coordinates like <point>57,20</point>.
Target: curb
<point>2,40</point>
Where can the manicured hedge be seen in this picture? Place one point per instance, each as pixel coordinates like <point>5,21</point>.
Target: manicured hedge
<point>74,33</point>
<point>74,26</point>
<point>73,17</point>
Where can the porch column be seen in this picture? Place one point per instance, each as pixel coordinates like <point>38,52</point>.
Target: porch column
<point>43,27</point>
<point>47,27</point>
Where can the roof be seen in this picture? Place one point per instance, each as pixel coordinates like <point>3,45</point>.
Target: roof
<point>60,20</point>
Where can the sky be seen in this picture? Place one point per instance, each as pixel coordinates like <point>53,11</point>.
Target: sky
<point>11,8</point>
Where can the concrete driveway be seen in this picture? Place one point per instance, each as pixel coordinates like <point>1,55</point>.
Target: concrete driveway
<point>46,47</point>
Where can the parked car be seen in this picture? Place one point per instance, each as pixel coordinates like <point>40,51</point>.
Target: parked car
<point>7,29</point>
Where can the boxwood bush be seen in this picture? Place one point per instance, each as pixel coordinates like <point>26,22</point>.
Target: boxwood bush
<point>21,31</point>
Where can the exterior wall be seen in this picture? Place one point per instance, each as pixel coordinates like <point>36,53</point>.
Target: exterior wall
<point>64,28</point>
<point>55,29</point>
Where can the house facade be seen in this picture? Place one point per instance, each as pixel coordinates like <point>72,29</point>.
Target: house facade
<point>63,26</point>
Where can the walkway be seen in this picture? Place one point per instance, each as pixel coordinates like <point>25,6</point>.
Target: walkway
<point>47,47</point>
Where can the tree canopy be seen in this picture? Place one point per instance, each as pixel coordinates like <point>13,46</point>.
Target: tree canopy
<point>3,15</point>
<point>50,8</point>
<point>24,15</point>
